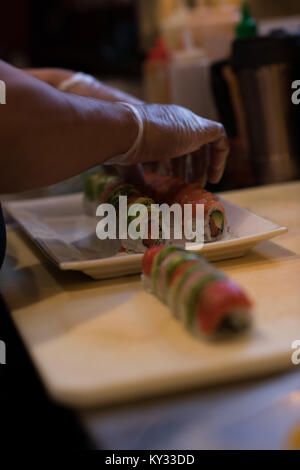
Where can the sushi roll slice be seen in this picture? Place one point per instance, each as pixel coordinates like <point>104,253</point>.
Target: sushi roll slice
<point>145,240</point>
<point>177,281</point>
<point>192,192</point>
<point>191,290</point>
<point>145,201</point>
<point>203,299</point>
<point>122,189</point>
<point>93,188</point>
<point>214,221</point>
<point>168,266</point>
<point>158,260</point>
<point>147,265</point>
<point>101,188</point>
<point>214,214</point>
<point>223,307</point>
<point>164,188</point>
<point>174,190</point>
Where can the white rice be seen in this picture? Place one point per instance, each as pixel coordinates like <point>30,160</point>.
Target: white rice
<point>207,232</point>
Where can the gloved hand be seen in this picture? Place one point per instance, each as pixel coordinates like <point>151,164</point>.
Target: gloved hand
<point>169,131</point>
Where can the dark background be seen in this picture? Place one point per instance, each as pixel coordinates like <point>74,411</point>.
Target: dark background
<point>97,36</point>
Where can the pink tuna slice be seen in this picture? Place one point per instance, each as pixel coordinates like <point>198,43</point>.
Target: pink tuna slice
<point>193,278</point>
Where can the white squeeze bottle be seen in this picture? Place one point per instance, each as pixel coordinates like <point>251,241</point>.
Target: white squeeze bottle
<point>213,27</point>
<point>173,26</point>
<point>156,74</point>
<point>190,79</point>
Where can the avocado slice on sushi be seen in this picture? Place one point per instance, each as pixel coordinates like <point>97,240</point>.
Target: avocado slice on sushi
<point>177,284</point>
<point>102,183</point>
<point>161,255</point>
<point>178,261</point>
<point>216,223</point>
<point>123,190</point>
<point>95,184</point>
<point>88,189</point>
<point>168,266</point>
<point>90,185</point>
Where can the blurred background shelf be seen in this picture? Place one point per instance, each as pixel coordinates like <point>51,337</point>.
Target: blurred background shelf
<point>176,51</point>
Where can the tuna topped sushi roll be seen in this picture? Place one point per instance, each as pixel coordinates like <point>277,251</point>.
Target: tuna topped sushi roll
<point>197,293</point>
<point>173,190</point>
<point>102,188</point>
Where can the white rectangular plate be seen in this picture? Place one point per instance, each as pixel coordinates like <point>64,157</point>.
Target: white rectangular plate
<point>68,237</point>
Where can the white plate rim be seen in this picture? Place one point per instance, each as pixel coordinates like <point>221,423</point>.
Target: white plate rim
<point>134,259</point>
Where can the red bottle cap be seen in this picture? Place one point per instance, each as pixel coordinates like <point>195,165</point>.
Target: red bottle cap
<point>159,51</point>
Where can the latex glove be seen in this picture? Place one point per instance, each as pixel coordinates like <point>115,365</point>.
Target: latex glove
<point>169,131</point>
<point>82,84</point>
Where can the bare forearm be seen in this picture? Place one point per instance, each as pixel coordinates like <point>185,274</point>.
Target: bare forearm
<point>47,136</point>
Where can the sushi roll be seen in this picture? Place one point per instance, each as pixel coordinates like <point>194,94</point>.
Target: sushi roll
<point>101,188</point>
<point>145,240</point>
<point>93,188</point>
<point>173,261</point>
<point>164,188</point>
<point>214,221</point>
<point>200,296</point>
<point>121,189</point>
<point>224,306</point>
<point>174,190</point>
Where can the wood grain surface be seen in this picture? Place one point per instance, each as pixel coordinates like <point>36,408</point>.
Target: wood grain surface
<point>96,342</point>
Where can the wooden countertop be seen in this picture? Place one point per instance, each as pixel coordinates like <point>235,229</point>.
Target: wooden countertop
<point>30,283</point>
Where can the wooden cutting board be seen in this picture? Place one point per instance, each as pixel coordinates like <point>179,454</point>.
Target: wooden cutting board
<point>95,342</point>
